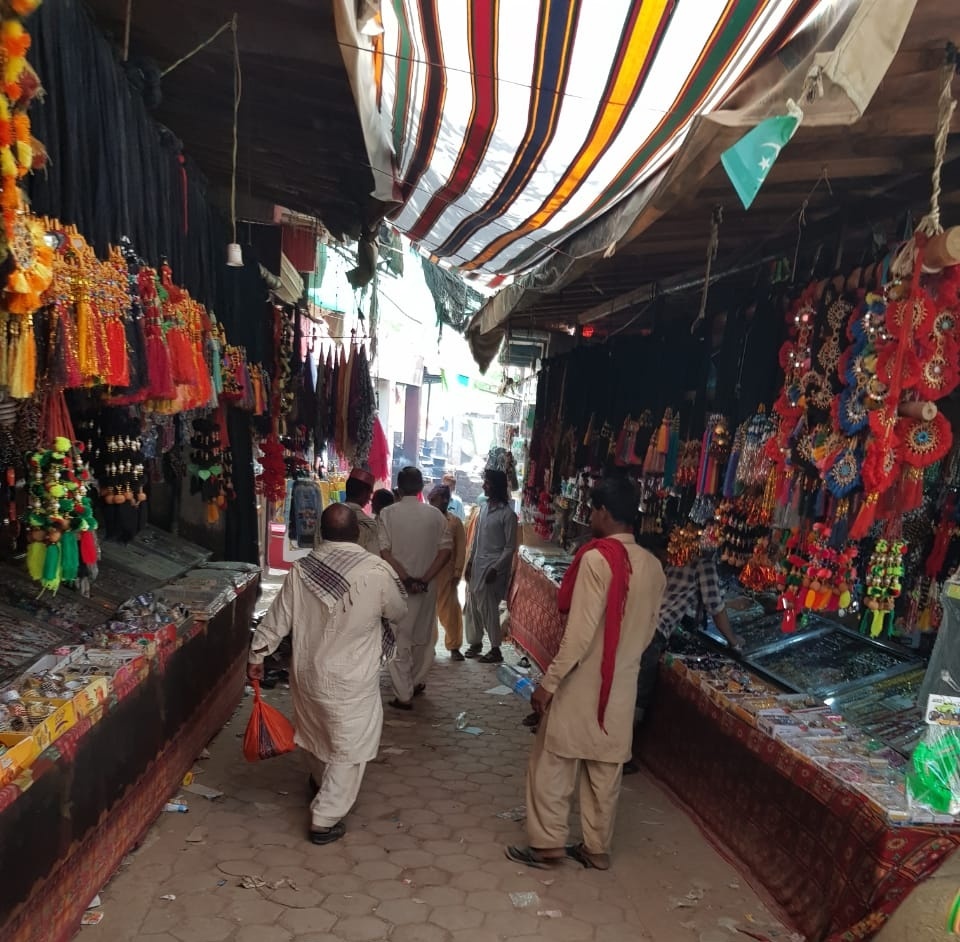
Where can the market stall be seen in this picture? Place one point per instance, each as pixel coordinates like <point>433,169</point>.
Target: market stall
<point>111,716</point>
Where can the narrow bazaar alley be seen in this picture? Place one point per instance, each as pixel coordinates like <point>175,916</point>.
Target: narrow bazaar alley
<point>423,858</point>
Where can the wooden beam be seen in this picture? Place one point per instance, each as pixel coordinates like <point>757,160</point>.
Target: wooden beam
<point>606,308</point>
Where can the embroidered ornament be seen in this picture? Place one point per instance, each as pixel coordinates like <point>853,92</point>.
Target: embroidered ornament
<point>925,443</point>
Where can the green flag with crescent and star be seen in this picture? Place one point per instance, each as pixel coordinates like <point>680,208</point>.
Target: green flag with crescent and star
<point>749,160</point>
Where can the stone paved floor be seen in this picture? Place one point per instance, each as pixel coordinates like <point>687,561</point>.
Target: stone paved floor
<point>423,857</point>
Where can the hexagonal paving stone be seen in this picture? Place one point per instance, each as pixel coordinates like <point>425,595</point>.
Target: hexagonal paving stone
<point>456,917</point>
<point>428,876</point>
<point>441,896</point>
<point>361,929</point>
<point>310,920</point>
<point>490,901</point>
<point>203,929</point>
<point>201,904</point>
<point>160,920</point>
<point>361,853</point>
<point>475,880</point>
<point>377,870</point>
<point>410,859</point>
<point>456,863</point>
<point>598,913</point>
<point>262,934</point>
<point>350,904</point>
<point>419,933</point>
<point>403,911</point>
<point>253,909</point>
<point>509,925</point>
<point>567,929</point>
<point>301,896</point>
<point>430,832</point>
<point>388,889</point>
<point>338,883</point>
<point>280,857</point>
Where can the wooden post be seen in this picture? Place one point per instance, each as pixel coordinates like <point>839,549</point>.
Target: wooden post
<point>927,411</point>
<point>942,250</point>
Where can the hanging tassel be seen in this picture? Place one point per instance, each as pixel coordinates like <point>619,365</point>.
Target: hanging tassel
<point>865,518</point>
<point>213,512</point>
<point>70,553</point>
<point>876,623</point>
<point>51,567</point>
<point>789,624</point>
<point>820,506</point>
<point>119,373</point>
<point>35,553</point>
<point>89,368</point>
<point>23,374</point>
<point>88,548</point>
<point>4,349</point>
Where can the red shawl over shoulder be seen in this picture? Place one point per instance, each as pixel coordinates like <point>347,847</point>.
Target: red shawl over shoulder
<point>615,554</point>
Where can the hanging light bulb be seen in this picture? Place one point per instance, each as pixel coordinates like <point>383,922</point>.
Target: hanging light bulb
<point>234,252</point>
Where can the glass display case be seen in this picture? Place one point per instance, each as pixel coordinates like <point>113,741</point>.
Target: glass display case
<point>872,685</point>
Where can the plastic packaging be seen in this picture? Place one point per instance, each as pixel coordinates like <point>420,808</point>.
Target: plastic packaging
<point>175,807</point>
<point>521,685</point>
<point>461,721</point>
<point>269,733</point>
<point>934,779</point>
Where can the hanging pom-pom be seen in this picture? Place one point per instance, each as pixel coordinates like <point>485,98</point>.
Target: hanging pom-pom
<point>35,554</point>
<point>70,556</point>
<point>88,548</point>
<point>213,512</point>
<point>51,567</point>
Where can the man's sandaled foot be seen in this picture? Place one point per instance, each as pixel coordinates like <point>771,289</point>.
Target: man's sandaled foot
<point>328,835</point>
<point>589,861</point>
<point>532,858</point>
<point>400,704</point>
<point>475,650</point>
<point>419,690</point>
<point>456,655</point>
<point>630,768</point>
<point>493,656</point>
<point>531,720</point>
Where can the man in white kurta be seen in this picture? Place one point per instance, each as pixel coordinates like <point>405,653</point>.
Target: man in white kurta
<point>416,541</point>
<point>335,603</point>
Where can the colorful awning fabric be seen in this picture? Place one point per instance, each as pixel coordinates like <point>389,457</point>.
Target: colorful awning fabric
<point>516,122</point>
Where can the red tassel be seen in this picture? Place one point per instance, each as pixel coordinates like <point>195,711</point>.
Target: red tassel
<point>866,518</point>
<point>789,624</point>
<point>119,362</point>
<point>161,385</point>
<point>88,548</point>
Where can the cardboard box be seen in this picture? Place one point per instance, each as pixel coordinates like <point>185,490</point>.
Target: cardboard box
<point>21,751</point>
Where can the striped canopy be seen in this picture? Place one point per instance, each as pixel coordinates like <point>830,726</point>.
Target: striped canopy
<point>517,122</point>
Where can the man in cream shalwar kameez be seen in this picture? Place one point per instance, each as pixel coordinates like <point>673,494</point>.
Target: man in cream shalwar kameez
<point>334,603</point>
<point>415,540</point>
<point>570,739</point>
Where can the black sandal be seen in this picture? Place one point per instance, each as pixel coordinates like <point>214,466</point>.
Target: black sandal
<point>579,853</point>
<point>530,858</point>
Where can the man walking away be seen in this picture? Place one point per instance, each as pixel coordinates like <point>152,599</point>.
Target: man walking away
<point>449,613</point>
<point>416,541</point>
<point>456,504</point>
<point>612,591</point>
<point>335,603</point>
<point>490,566</point>
<point>359,490</point>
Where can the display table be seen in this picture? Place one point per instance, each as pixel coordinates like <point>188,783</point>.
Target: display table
<point>535,624</point>
<point>823,855</point>
<point>95,791</point>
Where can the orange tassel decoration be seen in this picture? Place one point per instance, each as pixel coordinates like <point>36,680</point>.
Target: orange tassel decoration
<point>23,372</point>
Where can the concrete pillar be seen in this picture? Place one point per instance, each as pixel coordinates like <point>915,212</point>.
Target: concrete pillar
<point>411,423</point>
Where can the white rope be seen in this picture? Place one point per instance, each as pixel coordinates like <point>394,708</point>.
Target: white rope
<point>930,224</point>
<point>712,247</point>
<point>903,265</point>
<point>237,91</point>
<point>230,24</point>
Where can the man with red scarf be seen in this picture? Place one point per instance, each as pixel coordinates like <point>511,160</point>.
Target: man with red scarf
<point>612,592</point>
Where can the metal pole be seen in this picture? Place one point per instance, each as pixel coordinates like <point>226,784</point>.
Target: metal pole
<point>126,31</point>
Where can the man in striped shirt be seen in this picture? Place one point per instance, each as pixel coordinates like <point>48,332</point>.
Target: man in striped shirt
<point>691,589</point>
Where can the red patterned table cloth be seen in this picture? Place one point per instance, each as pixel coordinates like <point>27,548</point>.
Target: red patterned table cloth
<point>535,624</point>
<point>825,856</point>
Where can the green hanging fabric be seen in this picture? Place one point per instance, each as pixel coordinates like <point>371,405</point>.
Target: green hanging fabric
<point>51,567</point>
<point>70,556</point>
<point>750,160</point>
<point>35,553</point>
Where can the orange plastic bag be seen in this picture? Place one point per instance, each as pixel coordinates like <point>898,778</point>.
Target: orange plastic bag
<point>269,733</point>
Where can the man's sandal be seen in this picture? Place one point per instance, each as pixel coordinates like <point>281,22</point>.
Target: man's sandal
<point>589,861</point>
<point>531,858</point>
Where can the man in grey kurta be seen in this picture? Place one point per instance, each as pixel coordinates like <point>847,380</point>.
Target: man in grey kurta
<point>490,566</point>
